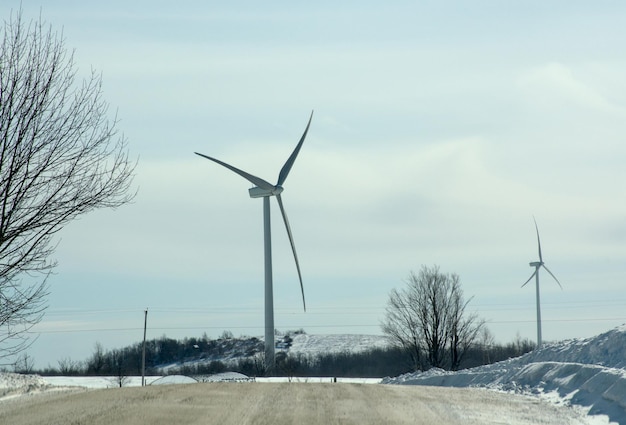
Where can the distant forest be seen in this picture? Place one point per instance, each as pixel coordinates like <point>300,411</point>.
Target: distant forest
<point>205,356</point>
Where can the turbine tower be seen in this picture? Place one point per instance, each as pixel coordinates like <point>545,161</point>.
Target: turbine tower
<point>537,265</point>
<point>264,189</point>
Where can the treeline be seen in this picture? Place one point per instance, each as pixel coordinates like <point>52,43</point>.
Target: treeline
<point>159,353</point>
<point>205,356</point>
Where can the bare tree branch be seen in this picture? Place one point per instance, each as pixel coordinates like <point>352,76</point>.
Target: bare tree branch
<point>60,157</point>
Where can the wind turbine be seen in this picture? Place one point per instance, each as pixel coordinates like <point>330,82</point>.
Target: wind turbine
<point>264,189</point>
<point>537,265</point>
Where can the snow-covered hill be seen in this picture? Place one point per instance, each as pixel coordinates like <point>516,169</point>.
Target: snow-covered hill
<point>325,344</point>
<point>586,372</point>
<point>232,350</point>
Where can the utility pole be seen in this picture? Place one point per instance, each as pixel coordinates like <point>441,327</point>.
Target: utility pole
<point>143,351</point>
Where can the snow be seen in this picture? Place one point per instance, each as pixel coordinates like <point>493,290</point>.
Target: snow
<point>226,377</point>
<point>320,380</point>
<point>330,344</point>
<point>174,379</point>
<point>586,375</point>
<point>93,382</point>
<point>14,385</point>
<point>232,351</point>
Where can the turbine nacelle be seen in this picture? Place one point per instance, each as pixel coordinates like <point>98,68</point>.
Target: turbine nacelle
<point>259,192</point>
<point>536,264</point>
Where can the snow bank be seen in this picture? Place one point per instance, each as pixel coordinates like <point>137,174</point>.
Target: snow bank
<point>586,372</point>
<point>227,377</point>
<point>93,382</point>
<point>14,385</point>
<point>607,349</point>
<point>174,379</point>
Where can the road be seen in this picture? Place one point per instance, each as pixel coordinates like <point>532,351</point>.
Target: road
<point>284,403</point>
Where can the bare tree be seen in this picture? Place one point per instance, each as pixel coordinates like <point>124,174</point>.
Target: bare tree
<point>24,364</point>
<point>427,318</point>
<point>96,363</point>
<point>402,328</point>
<point>120,377</point>
<point>486,341</point>
<point>69,367</point>
<point>464,328</point>
<point>60,157</point>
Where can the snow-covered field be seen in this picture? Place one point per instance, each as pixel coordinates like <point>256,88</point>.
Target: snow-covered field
<point>585,376</point>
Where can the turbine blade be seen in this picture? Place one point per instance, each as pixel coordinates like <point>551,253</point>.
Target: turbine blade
<point>538,241</point>
<point>284,172</point>
<point>293,246</point>
<point>531,276</point>
<point>252,179</point>
<point>551,274</point>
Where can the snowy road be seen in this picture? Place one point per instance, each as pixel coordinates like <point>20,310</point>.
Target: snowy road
<point>285,403</point>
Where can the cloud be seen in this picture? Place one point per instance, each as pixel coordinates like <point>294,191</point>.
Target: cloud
<point>554,86</point>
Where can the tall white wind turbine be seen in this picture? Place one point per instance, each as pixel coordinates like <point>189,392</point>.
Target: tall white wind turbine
<point>264,189</point>
<point>537,265</point>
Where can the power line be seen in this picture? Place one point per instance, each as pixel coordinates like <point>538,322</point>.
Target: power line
<point>193,327</point>
<point>171,328</point>
<point>332,309</point>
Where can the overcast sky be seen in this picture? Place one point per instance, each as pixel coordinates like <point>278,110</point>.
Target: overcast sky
<point>440,129</point>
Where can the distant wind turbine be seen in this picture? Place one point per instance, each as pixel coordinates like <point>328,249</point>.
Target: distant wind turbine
<point>537,265</point>
<point>264,189</point>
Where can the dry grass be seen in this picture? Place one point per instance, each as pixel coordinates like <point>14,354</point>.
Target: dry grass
<point>276,404</point>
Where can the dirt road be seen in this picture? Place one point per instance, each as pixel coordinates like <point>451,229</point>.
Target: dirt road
<point>276,404</point>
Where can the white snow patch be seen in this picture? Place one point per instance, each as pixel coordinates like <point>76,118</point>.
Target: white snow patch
<point>227,377</point>
<point>174,379</point>
<point>93,382</point>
